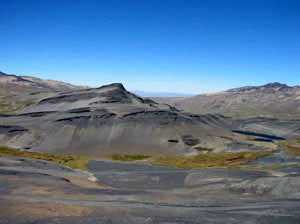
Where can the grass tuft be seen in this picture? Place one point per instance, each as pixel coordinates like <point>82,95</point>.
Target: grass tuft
<point>74,162</point>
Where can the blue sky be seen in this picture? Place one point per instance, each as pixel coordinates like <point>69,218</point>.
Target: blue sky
<point>186,46</point>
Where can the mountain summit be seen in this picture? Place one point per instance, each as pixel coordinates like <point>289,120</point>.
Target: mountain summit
<point>275,86</point>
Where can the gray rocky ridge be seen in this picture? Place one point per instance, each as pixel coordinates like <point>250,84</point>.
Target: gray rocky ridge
<point>109,119</point>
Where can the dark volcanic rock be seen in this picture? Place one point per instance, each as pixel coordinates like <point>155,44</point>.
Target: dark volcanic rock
<point>157,116</point>
<point>12,129</point>
<point>69,98</point>
<point>37,114</point>
<point>173,140</point>
<point>258,135</point>
<point>190,140</point>
<point>113,85</point>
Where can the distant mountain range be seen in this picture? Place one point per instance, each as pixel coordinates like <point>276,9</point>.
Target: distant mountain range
<point>273,100</point>
<point>28,82</point>
<point>161,94</point>
<point>270,100</point>
<point>110,119</point>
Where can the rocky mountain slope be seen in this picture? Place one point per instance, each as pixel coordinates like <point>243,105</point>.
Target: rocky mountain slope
<point>270,100</point>
<point>32,83</point>
<point>109,119</point>
<point>12,89</point>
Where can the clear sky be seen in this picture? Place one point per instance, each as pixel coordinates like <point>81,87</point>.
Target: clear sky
<point>184,46</point>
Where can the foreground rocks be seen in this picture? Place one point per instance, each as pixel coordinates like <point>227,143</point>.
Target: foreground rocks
<point>34,191</point>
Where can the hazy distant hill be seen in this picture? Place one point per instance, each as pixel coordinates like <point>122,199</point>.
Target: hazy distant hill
<point>28,82</point>
<point>13,87</point>
<point>270,100</point>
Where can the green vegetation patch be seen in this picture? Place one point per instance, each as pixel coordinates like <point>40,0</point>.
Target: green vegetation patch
<point>127,158</point>
<point>204,161</point>
<point>74,162</point>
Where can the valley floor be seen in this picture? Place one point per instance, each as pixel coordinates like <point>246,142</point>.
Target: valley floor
<point>40,192</point>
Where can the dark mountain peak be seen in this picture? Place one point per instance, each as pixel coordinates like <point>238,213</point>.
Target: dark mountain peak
<point>15,79</point>
<point>114,85</point>
<point>268,86</point>
<point>4,74</point>
<point>275,85</point>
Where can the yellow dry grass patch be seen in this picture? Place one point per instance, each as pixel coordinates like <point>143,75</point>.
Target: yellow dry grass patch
<point>204,161</point>
<point>127,157</point>
<point>296,140</point>
<point>290,148</point>
<point>74,162</point>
